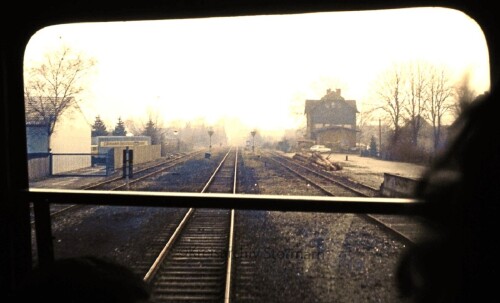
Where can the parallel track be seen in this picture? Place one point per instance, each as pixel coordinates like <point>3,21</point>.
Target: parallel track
<point>117,183</point>
<point>326,183</point>
<point>405,228</point>
<point>139,175</point>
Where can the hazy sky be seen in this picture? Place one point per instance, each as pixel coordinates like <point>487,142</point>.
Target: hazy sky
<point>256,68</point>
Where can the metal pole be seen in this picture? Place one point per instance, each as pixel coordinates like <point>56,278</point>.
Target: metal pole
<point>210,133</point>
<point>253,140</point>
<point>176,133</point>
<point>127,167</point>
<point>45,246</point>
<point>379,138</point>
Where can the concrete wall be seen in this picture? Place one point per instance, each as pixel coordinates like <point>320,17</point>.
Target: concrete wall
<point>142,154</point>
<point>395,186</point>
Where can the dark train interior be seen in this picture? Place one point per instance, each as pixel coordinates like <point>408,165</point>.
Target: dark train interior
<point>474,157</point>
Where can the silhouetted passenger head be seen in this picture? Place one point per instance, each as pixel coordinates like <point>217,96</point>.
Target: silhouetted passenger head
<point>85,279</point>
<point>459,263</point>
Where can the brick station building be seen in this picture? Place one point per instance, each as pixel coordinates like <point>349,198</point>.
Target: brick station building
<point>331,121</point>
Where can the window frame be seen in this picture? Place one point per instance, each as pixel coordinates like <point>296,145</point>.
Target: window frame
<point>16,195</point>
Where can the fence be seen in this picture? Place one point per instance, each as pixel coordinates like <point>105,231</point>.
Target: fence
<point>38,165</point>
<point>80,164</point>
<point>85,164</point>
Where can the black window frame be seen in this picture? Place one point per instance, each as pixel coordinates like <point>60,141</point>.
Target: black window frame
<point>19,24</point>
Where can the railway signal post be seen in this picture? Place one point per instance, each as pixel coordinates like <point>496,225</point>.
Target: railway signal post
<point>128,164</point>
<point>253,132</point>
<point>210,133</point>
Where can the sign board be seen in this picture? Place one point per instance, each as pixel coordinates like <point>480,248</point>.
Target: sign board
<point>122,143</point>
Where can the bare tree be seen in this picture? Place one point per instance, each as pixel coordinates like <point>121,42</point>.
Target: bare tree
<point>132,126</point>
<point>409,94</point>
<point>391,93</point>
<point>152,127</point>
<point>440,102</point>
<point>416,99</point>
<point>53,86</point>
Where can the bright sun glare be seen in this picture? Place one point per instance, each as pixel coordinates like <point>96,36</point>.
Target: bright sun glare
<point>258,70</point>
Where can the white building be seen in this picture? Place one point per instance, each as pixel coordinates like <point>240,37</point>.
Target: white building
<point>71,135</point>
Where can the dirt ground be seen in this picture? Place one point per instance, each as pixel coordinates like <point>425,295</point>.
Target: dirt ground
<point>370,171</point>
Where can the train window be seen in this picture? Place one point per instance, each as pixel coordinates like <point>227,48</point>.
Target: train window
<point>342,104</point>
<point>268,112</point>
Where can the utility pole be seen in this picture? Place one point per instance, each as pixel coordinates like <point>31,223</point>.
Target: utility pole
<point>379,138</point>
<point>176,133</point>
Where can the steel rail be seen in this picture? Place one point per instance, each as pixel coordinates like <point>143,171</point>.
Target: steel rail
<point>215,172</point>
<point>172,162</point>
<point>369,217</point>
<point>401,236</point>
<point>361,194</point>
<point>163,254</point>
<point>156,264</point>
<point>227,293</point>
<point>320,187</point>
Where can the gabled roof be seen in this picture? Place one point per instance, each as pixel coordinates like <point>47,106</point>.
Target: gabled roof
<point>424,123</point>
<point>352,103</point>
<point>312,104</point>
<point>40,110</point>
<point>330,96</point>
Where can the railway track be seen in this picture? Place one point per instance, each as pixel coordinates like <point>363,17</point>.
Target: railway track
<point>196,262</point>
<point>118,182</point>
<point>325,182</point>
<point>407,229</point>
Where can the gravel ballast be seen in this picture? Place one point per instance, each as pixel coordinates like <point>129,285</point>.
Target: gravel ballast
<point>309,257</point>
<point>278,256</point>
